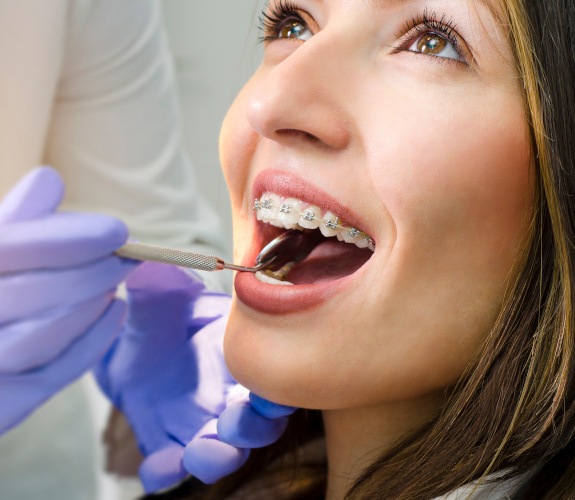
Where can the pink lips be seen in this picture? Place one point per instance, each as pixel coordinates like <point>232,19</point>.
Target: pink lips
<point>273,299</point>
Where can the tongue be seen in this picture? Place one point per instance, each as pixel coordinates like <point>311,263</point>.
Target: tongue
<point>329,261</point>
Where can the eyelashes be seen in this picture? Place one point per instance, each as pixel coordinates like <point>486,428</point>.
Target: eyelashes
<point>279,16</point>
<point>285,20</point>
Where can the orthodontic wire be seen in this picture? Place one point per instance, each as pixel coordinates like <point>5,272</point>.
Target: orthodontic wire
<point>267,204</point>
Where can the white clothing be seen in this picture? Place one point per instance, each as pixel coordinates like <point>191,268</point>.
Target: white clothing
<point>486,492</point>
<point>494,491</point>
<point>87,86</point>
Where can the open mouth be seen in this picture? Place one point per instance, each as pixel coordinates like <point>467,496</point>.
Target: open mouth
<point>334,250</point>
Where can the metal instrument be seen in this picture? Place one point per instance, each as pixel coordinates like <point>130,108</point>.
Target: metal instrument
<point>290,246</point>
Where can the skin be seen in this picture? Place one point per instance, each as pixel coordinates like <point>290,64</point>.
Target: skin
<point>434,155</point>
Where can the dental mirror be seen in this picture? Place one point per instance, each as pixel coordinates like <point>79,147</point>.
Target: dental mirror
<point>290,246</point>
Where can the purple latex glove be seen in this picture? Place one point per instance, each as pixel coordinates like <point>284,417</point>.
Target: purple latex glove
<point>167,374</point>
<point>58,313</point>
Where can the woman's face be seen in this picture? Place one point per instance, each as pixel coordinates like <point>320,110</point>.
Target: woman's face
<point>404,120</point>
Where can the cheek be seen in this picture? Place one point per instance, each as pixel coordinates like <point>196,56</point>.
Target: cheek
<point>461,199</point>
<point>462,192</point>
<point>237,145</point>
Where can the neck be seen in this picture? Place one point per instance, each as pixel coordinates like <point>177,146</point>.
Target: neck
<point>356,437</point>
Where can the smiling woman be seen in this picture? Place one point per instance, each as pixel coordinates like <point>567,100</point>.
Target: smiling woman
<point>429,142</point>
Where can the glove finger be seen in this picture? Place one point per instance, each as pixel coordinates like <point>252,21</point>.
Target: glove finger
<point>33,342</point>
<point>101,371</point>
<point>213,375</point>
<point>27,294</point>
<point>24,393</point>
<point>159,298</point>
<point>163,469</point>
<point>241,426</point>
<point>59,240</point>
<point>270,409</point>
<point>209,459</point>
<point>85,352</point>
<point>38,193</point>
<point>182,417</point>
<point>207,307</point>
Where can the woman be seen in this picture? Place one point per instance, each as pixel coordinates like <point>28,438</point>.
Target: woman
<point>439,133</point>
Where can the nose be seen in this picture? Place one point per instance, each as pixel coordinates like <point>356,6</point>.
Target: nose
<point>301,98</point>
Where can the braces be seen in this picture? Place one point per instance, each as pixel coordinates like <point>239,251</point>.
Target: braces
<point>308,215</point>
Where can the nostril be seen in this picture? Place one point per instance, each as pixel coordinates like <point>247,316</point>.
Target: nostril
<point>288,132</point>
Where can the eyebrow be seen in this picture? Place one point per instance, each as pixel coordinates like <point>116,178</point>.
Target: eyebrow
<point>488,4</point>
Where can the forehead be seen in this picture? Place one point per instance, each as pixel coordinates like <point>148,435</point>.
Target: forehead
<point>491,4</point>
<point>495,7</point>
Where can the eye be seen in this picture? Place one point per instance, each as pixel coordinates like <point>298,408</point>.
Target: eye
<point>294,29</point>
<point>435,36</point>
<point>435,45</point>
<point>284,21</point>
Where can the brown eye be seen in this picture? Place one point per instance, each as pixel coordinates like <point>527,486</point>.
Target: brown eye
<point>294,29</point>
<point>431,44</point>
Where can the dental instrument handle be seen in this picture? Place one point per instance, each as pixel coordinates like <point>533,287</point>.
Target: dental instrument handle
<point>181,258</point>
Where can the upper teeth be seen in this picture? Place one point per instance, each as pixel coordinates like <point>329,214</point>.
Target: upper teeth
<point>292,213</point>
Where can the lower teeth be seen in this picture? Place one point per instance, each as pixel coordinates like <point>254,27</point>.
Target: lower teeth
<point>268,277</point>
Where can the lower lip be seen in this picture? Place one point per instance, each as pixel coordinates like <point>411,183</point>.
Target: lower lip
<point>285,299</point>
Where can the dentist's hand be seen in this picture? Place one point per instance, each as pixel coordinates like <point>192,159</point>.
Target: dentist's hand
<point>58,313</point>
<point>167,374</point>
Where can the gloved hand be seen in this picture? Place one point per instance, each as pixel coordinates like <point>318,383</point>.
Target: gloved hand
<point>58,313</point>
<point>167,374</point>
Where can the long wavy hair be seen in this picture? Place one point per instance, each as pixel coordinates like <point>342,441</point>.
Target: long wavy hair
<point>513,411</point>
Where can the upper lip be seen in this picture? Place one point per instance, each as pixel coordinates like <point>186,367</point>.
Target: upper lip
<point>291,185</point>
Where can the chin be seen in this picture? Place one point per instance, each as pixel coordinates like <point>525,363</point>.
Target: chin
<point>259,360</point>
<point>286,365</point>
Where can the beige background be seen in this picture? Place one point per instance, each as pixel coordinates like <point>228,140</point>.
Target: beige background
<point>215,49</point>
